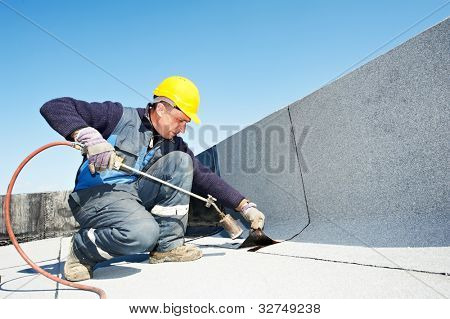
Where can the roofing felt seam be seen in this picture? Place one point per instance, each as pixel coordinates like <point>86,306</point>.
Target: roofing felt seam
<point>61,268</point>
<point>301,176</point>
<point>358,264</point>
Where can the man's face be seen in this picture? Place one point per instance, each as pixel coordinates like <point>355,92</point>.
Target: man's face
<point>171,121</point>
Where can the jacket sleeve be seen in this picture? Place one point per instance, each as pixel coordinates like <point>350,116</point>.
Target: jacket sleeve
<point>207,182</point>
<point>66,115</point>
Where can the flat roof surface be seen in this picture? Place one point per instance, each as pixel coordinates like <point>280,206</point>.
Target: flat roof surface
<point>223,272</point>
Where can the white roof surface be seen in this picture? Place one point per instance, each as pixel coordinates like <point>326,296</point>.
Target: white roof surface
<point>223,272</point>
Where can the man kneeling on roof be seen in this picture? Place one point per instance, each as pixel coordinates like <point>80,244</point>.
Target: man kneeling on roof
<point>121,214</point>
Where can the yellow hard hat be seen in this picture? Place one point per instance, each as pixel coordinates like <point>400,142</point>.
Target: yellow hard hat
<point>183,93</point>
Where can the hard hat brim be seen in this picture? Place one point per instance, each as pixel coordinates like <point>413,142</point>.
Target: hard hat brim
<point>193,117</point>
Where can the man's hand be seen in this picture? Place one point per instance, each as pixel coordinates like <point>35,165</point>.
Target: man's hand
<point>253,216</point>
<point>100,153</point>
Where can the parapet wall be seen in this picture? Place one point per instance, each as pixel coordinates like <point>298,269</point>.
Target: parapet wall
<point>38,216</point>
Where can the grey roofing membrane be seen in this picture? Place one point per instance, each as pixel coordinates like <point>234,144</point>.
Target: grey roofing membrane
<point>374,156</point>
<point>221,273</point>
<point>377,152</point>
<point>353,180</point>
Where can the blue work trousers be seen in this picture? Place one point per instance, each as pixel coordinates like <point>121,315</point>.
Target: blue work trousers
<point>124,219</point>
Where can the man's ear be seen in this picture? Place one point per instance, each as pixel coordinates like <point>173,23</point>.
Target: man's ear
<point>160,109</point>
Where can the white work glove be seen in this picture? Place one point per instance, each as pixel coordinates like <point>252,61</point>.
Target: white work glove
<point>253,216</point>
<point>100,153</point>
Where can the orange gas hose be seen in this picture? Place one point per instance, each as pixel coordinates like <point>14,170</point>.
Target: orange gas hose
<point>6,208</point>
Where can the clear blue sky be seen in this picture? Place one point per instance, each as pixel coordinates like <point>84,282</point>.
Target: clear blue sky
<point>248,58</point>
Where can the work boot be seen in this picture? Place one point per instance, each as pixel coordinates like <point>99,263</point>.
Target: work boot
<point>181,253</point>
<point>74,270</point>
